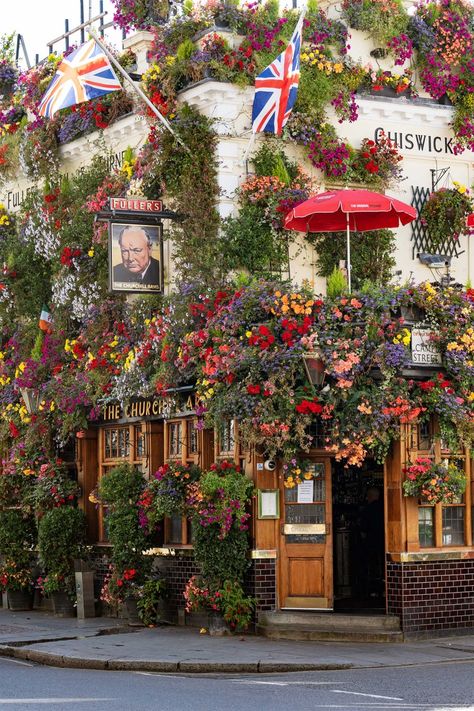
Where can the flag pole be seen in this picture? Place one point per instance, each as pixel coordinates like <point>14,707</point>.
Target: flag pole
<point>136,88</point>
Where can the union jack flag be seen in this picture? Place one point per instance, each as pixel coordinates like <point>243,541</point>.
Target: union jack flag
<point>83,75</point>
<point>276,87</point>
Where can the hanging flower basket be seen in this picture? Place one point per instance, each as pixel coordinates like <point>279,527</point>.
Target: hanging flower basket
<point>444,214</point>
<point>434,483</point>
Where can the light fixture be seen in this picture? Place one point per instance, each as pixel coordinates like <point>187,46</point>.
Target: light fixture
<point>31,399</point>
<point>314,367</point>
<point>434,261</point>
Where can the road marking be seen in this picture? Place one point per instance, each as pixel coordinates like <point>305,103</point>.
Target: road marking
<point>17,661</point>
<point>55,700</point>
<point>288,683</point>
<point>372,696</point>
<point>163,676</point>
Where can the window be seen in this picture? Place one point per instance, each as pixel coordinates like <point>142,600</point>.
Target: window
<point>193,438</point>
<point>119,444</point>
<point>227,438</point>
<point>425,526</point>
<point>453,525</point>
<point>175,443</point>
<point>442,525</point>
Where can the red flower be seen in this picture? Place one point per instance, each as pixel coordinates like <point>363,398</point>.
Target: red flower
<point>253,389</point>
<point>308,407</point>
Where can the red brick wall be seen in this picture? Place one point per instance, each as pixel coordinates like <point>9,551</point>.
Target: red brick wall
<point>432,597</point>
<point>261,583</point>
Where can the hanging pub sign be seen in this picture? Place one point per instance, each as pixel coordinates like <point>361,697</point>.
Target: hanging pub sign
<point>423,349</point>
<point>135,257</point>
<point>135,243</point>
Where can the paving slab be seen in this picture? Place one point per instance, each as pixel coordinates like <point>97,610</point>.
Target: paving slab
<point>103,643</point>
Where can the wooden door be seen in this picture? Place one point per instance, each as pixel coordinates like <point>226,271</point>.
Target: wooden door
<point>306,575</point>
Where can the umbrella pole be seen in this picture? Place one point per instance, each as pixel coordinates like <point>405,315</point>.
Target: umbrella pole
<point>348,254</point>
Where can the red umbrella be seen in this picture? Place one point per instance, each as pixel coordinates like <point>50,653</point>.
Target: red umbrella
<point>350,210</point>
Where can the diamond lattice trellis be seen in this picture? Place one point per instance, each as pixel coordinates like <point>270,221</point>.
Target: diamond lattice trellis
<point>419,234</point>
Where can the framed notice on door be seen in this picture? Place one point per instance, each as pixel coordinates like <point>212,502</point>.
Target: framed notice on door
<point>268,503</point>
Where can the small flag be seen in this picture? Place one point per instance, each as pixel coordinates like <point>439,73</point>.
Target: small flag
<point>83,75</point>
<point>45,320</point>
<point>277,86</point>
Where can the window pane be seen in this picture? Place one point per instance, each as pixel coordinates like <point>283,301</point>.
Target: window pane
<point>226,437</point>
<point>453,526</point>
<point>192,438</point>
<point>425,527</point>
<point>139,443</point>
<point>175,439</point>
<point>176,534</point>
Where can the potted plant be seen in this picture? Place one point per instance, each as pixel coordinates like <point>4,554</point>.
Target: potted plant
<point>434,483</point>
<point>120,489</point>
<point>228,607</point>
<point>444,214</point>
<point>17,538</point>
<point>17,581</point>
<point>61,540</point>
<point>149,600</point>
<point>219,503</point>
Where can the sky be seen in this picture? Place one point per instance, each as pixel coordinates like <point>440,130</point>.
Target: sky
<point>40,21</point>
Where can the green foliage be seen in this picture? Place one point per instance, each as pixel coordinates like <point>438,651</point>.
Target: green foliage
<point>17,534</point>
<point>270,159</point>
<point>219,524</point>
<point>336,283</point>
<point>120,489</point>
<point>149,599</point>
<point>61,539</point>
<point>121,486</point>
<point>220,559</point>
<point>7,47</point>
<point>185,50</point>
<point>314,93</point>
<point>191,180</point>
<point>382,20</point>
<point>237,607</point>
<point>372,255</point>
<point>251,244</point>
<point>444,215</point>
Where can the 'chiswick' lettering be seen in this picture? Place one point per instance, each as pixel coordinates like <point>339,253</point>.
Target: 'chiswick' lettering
<point>420,141</point>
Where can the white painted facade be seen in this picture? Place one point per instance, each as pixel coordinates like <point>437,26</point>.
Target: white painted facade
<point>420,128</point>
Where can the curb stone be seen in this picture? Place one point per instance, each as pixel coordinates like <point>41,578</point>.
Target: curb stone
<point>57,660</point>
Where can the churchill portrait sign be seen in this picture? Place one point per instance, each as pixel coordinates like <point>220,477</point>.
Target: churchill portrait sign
<point>135,261</point>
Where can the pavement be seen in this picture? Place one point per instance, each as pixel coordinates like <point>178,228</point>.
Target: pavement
<point>106,643</point>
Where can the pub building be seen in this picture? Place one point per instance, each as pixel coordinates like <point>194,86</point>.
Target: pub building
<point>349,555</point>
<point>345,556</point>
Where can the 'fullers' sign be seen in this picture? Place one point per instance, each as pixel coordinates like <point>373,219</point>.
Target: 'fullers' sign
<point>135,204</point>
<point>423,350</point>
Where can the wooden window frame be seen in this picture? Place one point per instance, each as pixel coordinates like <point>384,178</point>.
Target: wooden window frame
<point>440,455</point>
<point>135,430</point>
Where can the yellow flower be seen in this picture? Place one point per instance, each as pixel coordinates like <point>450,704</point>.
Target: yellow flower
<point>90,253</point>
<point>459,187</point>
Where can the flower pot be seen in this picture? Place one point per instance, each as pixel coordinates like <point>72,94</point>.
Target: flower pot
<point>131,610</point>
<point>217,626</point>
<point>63,605</point>
<point>445,100</point>
<point>19,600</point>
